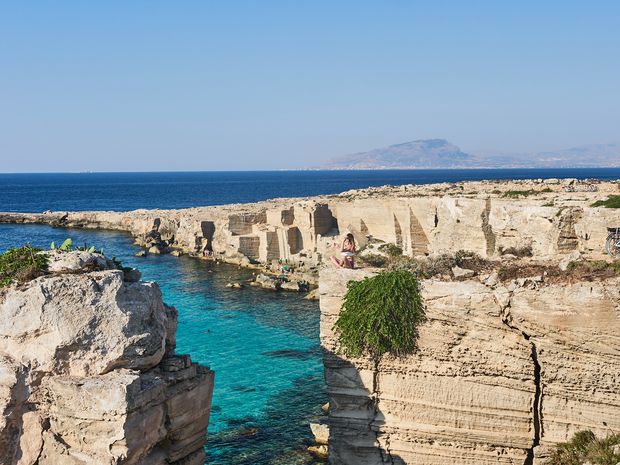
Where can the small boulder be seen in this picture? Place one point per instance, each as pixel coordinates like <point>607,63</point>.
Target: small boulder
<point>492,280</point>
<point>141,253</point>
<point>320,433</point>
<point>71,262</point>
<point>267,282</point>
<point>565,262</point>
<point>289,286</point>
<point>132,275</point>
<point>462,273</point>
<point>319,451</point>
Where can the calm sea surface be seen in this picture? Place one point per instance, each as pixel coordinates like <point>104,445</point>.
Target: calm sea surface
<point>263,346</point>
<point>130,191</point>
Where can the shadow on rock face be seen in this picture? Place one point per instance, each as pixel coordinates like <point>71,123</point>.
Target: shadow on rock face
<point>355,417</point>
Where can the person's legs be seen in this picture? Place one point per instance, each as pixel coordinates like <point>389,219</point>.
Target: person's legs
<point>348,262</point>
<point>337,263</point>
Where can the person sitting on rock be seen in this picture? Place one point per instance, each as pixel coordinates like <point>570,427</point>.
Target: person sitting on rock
<point>348,253</point>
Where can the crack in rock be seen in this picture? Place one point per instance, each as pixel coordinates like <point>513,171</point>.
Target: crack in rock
<point>537,421</point>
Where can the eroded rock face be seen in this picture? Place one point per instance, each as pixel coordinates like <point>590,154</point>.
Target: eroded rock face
<point>88,374</point>
<point>554,218</point>
<point>501,374</point>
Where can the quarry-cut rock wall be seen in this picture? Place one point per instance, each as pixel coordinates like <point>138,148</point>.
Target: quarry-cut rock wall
<point>484,217</point>
<point>89,376</point>
<point>501,374</point>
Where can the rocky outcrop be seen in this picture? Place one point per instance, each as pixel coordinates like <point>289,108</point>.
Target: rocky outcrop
<point>88,372</point>
<point>552,217</point>
<point>502,372</point>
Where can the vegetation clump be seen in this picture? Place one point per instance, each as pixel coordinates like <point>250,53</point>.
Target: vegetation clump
<point>375,260</point>
<point>381,315</point>
<point>392,250</point>
<point>390,256</point>
<point>21,265</point>
<point>612,202</point>
<point>596,268</point>
<point>516,194</point>
<point>585,447</point>
<point>67,246</point>
<point>442,265</point>
<point>525,251</point>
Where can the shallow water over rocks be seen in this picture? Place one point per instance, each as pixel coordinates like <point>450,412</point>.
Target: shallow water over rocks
<point>263,347</point>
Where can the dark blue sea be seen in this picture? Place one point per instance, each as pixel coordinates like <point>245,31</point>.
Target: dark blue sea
<point>263,346</point>
<point>130,191</point>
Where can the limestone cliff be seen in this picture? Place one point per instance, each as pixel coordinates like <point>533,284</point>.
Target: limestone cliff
<point>552,217</point>
<point>88,372</point>
<point>502,372</point>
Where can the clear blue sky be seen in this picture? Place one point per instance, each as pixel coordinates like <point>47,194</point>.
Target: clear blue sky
<point>211,85</point>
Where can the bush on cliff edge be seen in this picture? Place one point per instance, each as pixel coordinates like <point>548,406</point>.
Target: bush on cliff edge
<point>21,264</point>
<point>585,447</point>
<point>381,315</point>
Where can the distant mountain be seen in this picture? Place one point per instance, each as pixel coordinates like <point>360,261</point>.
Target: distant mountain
<point>439,153</point>
<point>429,153</point>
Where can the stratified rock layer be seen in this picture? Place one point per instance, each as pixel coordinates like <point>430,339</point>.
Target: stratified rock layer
<point>88,373</point>
<point>500,374</point>
<point>553,218</point>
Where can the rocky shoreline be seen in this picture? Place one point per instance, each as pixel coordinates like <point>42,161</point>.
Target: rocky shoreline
<point>89,373</point>
<point>514,270</point>
<point>553,217</point>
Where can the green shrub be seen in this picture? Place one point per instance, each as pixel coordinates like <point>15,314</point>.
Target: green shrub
<point>612,202</point>
<point>391,249</point>
<point>21,265</point>
<point>67,246</point>
<point>585,447</point>
<point>381,314</point>
<point>595,266</point>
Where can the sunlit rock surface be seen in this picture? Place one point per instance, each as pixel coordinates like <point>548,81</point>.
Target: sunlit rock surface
<point>501,374</point>
<point>552,217</point>
<point>88,373</point>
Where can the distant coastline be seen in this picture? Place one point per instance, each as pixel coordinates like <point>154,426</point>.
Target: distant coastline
<point>441,154</point>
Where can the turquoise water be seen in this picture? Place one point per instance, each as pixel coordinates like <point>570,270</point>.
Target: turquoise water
<point>263,347</point>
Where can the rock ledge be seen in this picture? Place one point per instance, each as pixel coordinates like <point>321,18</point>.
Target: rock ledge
<point>88,373</point>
